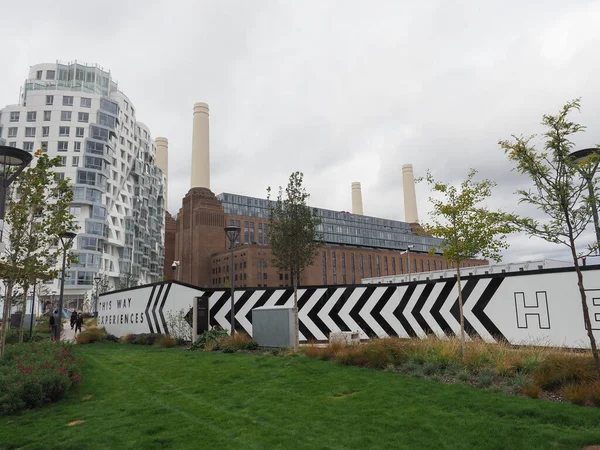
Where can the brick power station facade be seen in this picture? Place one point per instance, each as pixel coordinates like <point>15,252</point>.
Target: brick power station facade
<point>355,246</point>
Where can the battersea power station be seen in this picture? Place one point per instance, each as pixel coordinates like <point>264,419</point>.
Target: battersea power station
<point>355,246</point>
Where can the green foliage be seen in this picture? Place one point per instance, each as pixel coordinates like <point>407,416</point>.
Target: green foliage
<point>468,228</point>
<point>37,373</point>
<point>564,189</point>
<point>208,337</point>
<point>37,212</point>
<point>293,228</point>
<point>560,190</point>
<point>293,234</point>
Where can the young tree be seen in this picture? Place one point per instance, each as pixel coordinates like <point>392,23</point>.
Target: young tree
<point>293,234</point>
<point>560,192</point>
<point>37,213</point>
<point>467,227</point>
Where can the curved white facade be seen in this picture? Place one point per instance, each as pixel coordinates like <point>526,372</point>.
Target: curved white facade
<point>76,111</point>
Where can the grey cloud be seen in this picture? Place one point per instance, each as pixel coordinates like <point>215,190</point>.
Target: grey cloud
<point>341,90</point>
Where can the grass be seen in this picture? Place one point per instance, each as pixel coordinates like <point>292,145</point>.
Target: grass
<point>148,397</point>
<point>532,371</point>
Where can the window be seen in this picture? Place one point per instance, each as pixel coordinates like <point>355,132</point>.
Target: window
<point>370,266</point>
<point>252,233</point>
<point>44,145</point>
<point>377,265</point>
<point>77,146</point>
<point>352,265</point>
<point>12,132</point>
<point>12,144</point>
<point>63,146</point>
<point>75,210</point>
<point>64,131</point>
<point>28,146</point>
<point>50,74</point>
<point>79,131</point>
<point>361,265</point>
<point>31,116</point>
<point>246,232</point>
<point>45,131</point>
<point>86,102</point>
<point>324,259</point>
<point>59,176</point>
<point>63,161</point>
<point>47,115</point>
<point>65,116</point>
<point>67,100</point>
<point>83,117</point>
<point>344,268</point>
<point>14,116</point>
<point>49,99</point>
<point>75,162</point>
<point>334,267</point>
<point>30,132</point>
<point>38,75</point>
<point>385,265</point>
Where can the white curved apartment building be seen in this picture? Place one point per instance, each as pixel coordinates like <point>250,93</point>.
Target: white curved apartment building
<point>76,111</point>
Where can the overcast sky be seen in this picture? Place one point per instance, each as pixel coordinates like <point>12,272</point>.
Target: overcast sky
<point>341,90</point>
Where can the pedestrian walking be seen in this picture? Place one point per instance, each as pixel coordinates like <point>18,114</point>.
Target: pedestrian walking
<point>73,318</point>
<point>52,322</point>
<point>78,323</point>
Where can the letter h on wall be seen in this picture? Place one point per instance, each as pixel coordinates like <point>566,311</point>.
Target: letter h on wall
<point>593,299</point>
<point>538,309</point>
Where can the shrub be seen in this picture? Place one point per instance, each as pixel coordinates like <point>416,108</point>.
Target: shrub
<point>208,337</point>
<point>251,345</point>
<point>564,368</point>
<point>531,390</point>
<point>237,341</point>
<point>166,341</point>
<point>432,368</point>
<point>463,376</point>
<point>594,393</point>
<point>112,338</point>
<point>36,373</point>
<point>91,335</point>
<point>485,379</point>
<point>575,393</point>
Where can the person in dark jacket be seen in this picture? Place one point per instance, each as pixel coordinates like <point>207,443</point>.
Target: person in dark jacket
<point>73,318</point>
<point>78,323</point>
<point>52,322</point>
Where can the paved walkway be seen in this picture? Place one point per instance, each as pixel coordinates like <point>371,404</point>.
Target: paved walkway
<point>68,334</point>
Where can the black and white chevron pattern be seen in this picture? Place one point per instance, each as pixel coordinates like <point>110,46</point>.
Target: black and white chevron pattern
<point>410,310</point>
<point>155,309</point>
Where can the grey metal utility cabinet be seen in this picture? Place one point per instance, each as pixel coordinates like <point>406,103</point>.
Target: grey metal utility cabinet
<point>273,326</point>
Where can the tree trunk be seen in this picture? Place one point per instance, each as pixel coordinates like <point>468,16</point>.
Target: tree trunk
<point>463,345</point>
<point>5,318</point>
<point>296,333</point>
<point>23,312</point>
<point>584,306</point>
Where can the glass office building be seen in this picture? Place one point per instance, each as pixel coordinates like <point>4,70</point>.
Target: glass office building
<point>341,228</point>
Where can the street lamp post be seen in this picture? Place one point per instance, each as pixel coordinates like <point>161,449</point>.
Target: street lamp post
<point>232,234</point>
<point>97,281</point>
<point>32,312</point>
<point>588,174</point>
<point>12,162</point>
<point>407,252</point>
<point>65,239</point>
<point>177,265</point>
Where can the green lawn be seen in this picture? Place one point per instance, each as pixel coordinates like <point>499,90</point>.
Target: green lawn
<point>146,398</point>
